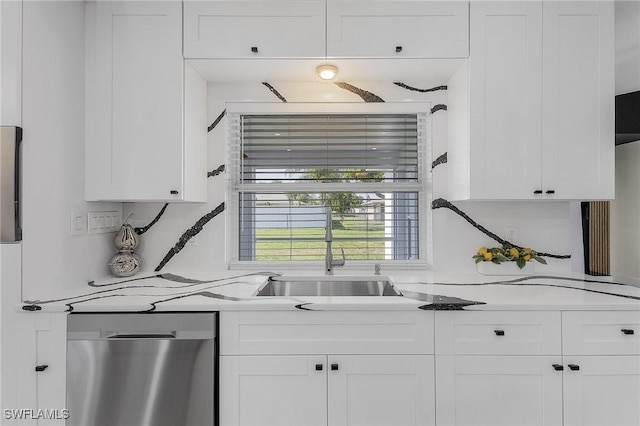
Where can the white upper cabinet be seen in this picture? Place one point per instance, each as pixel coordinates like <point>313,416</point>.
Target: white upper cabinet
<point>326,29</point>
<point>139,146</point>
<point>531,115</point>
<point>254,29</point>
<point>397,29</point>
<point>578,121</point>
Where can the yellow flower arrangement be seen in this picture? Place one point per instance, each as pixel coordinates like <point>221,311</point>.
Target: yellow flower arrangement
<point>507,253</point>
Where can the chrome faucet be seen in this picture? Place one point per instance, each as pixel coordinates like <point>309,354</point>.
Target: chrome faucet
<point>329,263</point>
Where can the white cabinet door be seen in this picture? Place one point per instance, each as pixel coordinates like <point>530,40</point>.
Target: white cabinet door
<point>390,29</point>
<point>51,342</point>
<point>505,99</point>
<point>273,390</point>
<point>135,86</point>
<point>498,390</point>
<point>578,99</point>
<point>254,29</point>
<point>604,391</point>
<point>389,390</point>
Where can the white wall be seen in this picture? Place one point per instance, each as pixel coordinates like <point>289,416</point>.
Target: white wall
<point>53,153</point>
<point>625,213</point>
<point>542,226</point>
<point>627,15</point>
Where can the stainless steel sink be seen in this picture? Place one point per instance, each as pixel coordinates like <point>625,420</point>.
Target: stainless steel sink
<point>375,285</point>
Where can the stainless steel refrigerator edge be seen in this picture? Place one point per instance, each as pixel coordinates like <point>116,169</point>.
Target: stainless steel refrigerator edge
<point>155,369</point>
<point>10,226</point>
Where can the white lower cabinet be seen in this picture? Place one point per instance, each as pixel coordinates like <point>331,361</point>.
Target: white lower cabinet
<point>516,368</point>
<point>602,390</point>
<point>367,368</point>
<point>498,390</point>
<point>37,369</point>
<point>273,390</point>
<point>314,390</point>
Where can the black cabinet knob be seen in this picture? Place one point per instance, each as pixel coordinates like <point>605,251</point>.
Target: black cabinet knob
<point>627,331</point>
<point>254,49</point>
<point>499,332</point>
<point>551,191</point>
<point>538,191</point>
<point>558,367</point>
<point>318,367</point>
<point>173,192</point>
<point>573,367</point>
<point>40,368</point>
<point>334,367</point>
<point>398,49</point>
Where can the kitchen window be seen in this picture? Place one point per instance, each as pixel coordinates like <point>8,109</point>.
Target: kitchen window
<point>288,164</point>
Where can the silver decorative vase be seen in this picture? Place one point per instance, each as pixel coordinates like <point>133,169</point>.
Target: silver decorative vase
<point>125,263</point>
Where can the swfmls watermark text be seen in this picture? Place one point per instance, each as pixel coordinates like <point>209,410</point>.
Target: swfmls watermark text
<point>31,414</point>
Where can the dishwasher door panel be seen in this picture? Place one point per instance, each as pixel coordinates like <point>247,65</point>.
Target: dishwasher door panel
<point>141,380</point>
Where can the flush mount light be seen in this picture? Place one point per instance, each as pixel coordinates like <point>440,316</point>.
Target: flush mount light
<point>327,72</point>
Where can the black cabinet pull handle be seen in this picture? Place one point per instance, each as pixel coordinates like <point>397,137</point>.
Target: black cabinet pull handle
<point>538,191</point>
<point>499,332</point>
<point>558,367</point>
<point>318,367</point>
<point>254,49</point>
<point>627,331</point>
<point>398,49</point>
<point>551,191</point>
<point>573,367</point>
<point>40,368</point>
<point>173,192</point>
<point>334,367</point>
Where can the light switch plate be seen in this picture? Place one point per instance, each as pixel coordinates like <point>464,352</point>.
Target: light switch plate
<point>103,222</point>
<point>78,223</point>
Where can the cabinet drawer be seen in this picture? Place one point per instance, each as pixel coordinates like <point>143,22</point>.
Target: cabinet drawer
<point>498,333</point>
<point>601,333</point>
<point>247,333</point>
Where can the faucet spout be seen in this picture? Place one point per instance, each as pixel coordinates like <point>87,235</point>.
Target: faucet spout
<point>329,263</point>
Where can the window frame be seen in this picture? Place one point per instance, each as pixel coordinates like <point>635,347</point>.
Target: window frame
<point>234,168</point>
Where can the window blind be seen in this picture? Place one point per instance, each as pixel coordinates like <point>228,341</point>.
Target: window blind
<point>286,170</point>
<point>327,148</point>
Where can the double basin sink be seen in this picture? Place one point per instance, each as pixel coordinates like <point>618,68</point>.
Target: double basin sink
<point>373,285</point>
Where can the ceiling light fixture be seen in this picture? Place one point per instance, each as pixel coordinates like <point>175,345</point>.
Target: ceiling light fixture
<point>327,72</point>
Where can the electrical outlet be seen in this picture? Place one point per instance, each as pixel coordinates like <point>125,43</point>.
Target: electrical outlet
<point>511,234</point>
<point>78,223</point>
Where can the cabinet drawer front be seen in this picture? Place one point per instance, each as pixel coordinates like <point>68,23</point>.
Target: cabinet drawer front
<point>498,333</point>
<point>601,333</point>
<point>246,333</point>
<point>230,29</point>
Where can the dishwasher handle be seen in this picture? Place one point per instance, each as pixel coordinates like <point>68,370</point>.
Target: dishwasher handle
<point>130,335</point>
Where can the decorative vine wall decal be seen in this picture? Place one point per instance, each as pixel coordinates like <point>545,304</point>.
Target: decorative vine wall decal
<point>274,91</point>
<point>442,203</point>
<point>366,96</point>
<point>217,120</point>
<point>439,107</point>
<point>440,160</point>
<point>144,229</point>
<point>188,234</point>
<point>216,172</point>
<point>415,89</point>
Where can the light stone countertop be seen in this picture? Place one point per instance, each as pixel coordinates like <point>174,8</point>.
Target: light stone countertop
<point>234,290</point>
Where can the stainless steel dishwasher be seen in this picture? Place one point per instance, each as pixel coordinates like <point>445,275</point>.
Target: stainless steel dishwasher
<point>142,369</point>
